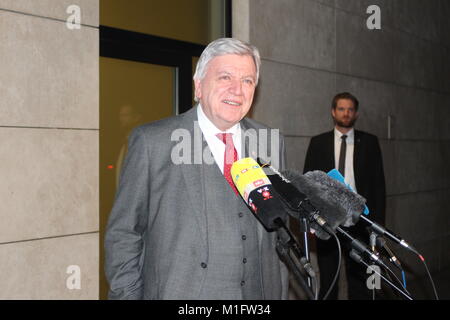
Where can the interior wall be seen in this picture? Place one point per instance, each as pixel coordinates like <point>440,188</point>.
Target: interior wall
<point>49,150</point>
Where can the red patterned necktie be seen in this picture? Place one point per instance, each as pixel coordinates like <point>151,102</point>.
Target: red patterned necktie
<point>230,156</point>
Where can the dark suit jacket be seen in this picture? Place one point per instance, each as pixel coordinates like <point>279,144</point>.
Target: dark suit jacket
<point>367,166</point>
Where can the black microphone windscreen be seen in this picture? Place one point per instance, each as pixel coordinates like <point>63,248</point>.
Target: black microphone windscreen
<point>334,215</point>
<point>352,203</point>
<point>337,204</point>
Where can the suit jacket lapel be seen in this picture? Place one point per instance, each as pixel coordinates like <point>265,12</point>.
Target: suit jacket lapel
<point>249,138</point>
<point>193,173</point>
<point>330,150</point>
<point>357,157</point>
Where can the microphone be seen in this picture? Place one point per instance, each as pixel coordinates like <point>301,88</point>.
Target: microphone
<point>373,225</point>
<point>315,189</point>
<point>332,191</point>
<point>341,205</point>
<point>298,205</point>
<point>392,258</point>
<point>260,196</point>
<point>384,231</point>
<point>326,189</point>
<point>258,193</point>
<point>325,195</point>
<point>373,241</point>
<point>362,248</point>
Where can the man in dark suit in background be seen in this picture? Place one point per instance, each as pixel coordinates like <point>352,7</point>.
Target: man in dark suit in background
<point>357,155</point>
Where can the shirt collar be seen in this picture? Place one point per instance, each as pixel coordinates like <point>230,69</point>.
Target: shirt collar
<point>208,128</point>
<point>350,135</point>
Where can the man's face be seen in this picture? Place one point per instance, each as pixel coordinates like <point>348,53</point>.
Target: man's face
<point>226,91</point>
<point>128,117</point>
<point>344,114</point>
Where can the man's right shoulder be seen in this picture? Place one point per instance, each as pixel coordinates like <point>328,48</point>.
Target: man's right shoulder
<point>321,137</point>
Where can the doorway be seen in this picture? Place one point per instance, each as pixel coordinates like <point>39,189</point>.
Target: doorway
<point>148,53</point>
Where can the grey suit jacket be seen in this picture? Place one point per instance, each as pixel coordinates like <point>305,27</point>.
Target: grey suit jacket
<point>156,237</point>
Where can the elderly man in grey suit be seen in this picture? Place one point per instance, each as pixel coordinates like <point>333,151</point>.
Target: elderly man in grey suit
<point>178,228</point>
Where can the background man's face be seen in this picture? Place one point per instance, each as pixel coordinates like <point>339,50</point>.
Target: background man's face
<point>226,91</point>
<point>344,114</point>
<point>128,117</point>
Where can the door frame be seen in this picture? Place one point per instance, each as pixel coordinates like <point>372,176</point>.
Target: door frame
<point>140,47</point>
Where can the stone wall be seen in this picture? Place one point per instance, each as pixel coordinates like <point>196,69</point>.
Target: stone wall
<point>49,132</point>
<point>312,49</point>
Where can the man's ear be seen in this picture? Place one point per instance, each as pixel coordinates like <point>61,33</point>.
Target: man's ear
<point>333,112</point>
<point>198,89</point>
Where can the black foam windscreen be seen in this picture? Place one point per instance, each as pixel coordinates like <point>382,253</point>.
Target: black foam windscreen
<point>337,204</point>
<point>338,194</point>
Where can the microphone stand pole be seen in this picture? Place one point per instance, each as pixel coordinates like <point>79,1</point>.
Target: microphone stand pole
<point>286,245</point>
<point>373,243</point>
<point>304,229</point>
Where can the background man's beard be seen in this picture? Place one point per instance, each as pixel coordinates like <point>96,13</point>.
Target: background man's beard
<point>345,124</point>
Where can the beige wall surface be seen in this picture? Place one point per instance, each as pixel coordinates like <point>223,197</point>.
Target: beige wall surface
<point>50,73</point>
<point>49,134</point>
<point>55,9</point>
<point>44,269</point>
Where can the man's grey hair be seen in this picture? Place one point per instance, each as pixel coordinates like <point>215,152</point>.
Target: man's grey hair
<point>223,46</point>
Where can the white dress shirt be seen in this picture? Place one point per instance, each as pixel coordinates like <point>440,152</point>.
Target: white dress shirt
<point>216,145</point>
<point>349,173</point>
